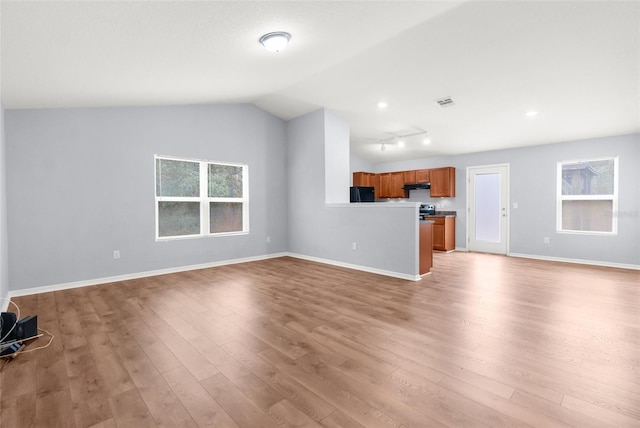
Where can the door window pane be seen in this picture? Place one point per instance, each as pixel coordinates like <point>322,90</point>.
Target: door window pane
<point>225,217</point>
<point>178,218</point>
<point>487,204</point>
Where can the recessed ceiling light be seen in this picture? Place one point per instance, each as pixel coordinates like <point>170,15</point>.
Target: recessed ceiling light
<point>276,41</point>
<point>531,113</point>
<point>382,105</point>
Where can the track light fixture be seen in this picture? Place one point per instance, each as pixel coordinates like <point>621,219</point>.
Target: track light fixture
<point>399,140</point>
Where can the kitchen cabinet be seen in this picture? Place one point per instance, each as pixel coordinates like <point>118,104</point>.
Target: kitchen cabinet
<point>391,184</point>
<point>444,233</point>
<point>426,247</point>
<point>409,177</point>
<point>422,176</point>
<point>364,179</point>
<point>397,184</point>
<point>367,179</point>
<point>443,182</point>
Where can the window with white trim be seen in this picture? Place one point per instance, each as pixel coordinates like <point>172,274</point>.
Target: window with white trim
<point>200,198</point>
<point>588,196</point>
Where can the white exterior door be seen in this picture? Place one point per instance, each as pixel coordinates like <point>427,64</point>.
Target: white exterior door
<point>488,207</point>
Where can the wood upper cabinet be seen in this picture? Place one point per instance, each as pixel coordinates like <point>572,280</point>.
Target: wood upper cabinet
<point>397,184</point>
<point>422,176</point>
<point>443,182</point>
<point>391,185</point>
<point>384,185</point>
<point>409,177</point>
<point>364,179</point>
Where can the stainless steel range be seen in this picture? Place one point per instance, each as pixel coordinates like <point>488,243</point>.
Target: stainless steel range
<point>427,209</point>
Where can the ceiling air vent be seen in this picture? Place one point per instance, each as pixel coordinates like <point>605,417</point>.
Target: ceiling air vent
<point>445,102</point>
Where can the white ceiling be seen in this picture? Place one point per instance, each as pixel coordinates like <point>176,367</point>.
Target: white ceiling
<point>576,62</point>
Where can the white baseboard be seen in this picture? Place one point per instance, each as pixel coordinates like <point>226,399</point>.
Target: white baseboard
<point>97,281</point>
<point>106,280</point>
<point>358,267</point>
<point>578,261</point>
<point>118,278</point>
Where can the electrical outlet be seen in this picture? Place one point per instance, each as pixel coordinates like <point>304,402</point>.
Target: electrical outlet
<point>546,239</point>
<point>116,254</point>
<point>515,205</point>
<point>354,246</point>
<point>268,239</point>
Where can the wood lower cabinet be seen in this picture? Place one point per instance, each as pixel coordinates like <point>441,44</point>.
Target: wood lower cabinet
<point>443,182</point>
<point>426,247</point>
<point>444,233</point>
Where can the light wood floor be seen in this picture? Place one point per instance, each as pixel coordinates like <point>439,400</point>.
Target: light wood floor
<point>485,341</point>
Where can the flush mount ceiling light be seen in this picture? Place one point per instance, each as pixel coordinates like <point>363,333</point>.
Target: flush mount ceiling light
<point>426,140</point>
<point>382,105</point>
<point>276,41</point>
<point>531,113</point>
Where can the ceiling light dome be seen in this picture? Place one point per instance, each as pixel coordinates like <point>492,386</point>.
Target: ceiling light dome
<point>276,41</point>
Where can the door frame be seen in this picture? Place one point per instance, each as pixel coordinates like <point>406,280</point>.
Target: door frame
<point>507,235</point>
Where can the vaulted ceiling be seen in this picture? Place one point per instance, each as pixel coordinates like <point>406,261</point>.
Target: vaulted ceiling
<point>576,63</point>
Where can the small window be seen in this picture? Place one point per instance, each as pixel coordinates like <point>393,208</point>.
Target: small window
<point>200,198</point>
<point>588,196</point>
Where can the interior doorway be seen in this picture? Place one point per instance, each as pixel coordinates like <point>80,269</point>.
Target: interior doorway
<point>488,202</point>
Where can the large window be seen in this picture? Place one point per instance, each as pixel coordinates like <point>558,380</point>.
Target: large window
<point>588,196</point>
<point>200,198</point>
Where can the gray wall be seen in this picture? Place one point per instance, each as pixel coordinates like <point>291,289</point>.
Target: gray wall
<point>386,236</point>
<point>81,184</point>
<point>4,264</point>
<point>533,187</point>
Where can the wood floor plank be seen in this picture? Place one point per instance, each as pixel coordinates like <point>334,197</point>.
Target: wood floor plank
<point>484,341</point>
<point>186,353</point>
<point>159,354</point>
<point>287,415</point>
<point>603,414</point>
<point>338,419</point>
<point>129,410</point>
<point>235,403</point>
<point>18,410</point>
<point>204,410</point>
<point>254,388</point>
<point>88,394</point>
<point>304,399</point>
<point>54,409</point>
